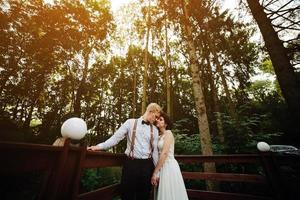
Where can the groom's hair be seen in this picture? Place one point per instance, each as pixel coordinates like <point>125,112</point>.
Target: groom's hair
<point>153,107</point>
<point>167,119</point>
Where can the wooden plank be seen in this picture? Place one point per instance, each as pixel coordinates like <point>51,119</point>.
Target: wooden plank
<point>78,172</point>
<point>105,193</point>
<point>18,158</point>
<point>58,176</point>
<point>18,145</point>
<point>241,158</point>
<point>225,177</point>
<point>63,165</point>
<point>278,188</point>
<point>209,195</point>
<point>103,159</point>
<point>71,172</point>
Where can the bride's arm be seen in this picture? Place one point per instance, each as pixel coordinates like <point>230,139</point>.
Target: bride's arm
<point>168,139</point>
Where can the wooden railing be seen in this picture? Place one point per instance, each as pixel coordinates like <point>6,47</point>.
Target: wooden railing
<point>62,168</point>
<point>230,177</point>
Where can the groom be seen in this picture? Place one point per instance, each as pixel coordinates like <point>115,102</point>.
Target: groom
<point>141,151</point>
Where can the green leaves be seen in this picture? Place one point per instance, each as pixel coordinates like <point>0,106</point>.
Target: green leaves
<point>267,66</point>
<point>96,178</point>
<point>58,57</point>
<point>187,144</point>
<point>242,135</point>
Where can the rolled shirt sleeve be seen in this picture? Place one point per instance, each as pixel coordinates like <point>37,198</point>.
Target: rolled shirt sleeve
<point>116,137</point>
<point>142,143</point>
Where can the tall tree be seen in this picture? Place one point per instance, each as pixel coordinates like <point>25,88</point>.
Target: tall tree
<point>128,20</point>
<point>145,79</point>
<point>288,81</point>
<point>205,137</point>
<point>95,20</point>
<point>215,100</point>
<point>168,66</point>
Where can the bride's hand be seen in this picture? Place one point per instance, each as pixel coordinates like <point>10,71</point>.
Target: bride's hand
<point>154,180</point>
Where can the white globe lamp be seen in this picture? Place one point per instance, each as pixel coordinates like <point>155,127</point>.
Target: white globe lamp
<point>263,146</point>
<point>74,128</point>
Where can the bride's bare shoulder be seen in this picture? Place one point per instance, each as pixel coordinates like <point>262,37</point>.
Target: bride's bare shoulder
<point>169,132</point>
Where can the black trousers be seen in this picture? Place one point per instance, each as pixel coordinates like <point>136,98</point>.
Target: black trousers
<point>136,179</point>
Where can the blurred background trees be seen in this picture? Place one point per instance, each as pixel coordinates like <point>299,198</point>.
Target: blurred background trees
<point>79,58</point>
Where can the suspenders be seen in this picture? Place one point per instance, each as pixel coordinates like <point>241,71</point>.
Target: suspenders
<point>151,141</point>
<point>133,139</point>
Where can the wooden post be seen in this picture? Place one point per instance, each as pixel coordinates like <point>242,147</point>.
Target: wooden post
<point>69,182</point>
<point>56,175</point>
<point>273,175</point>
<point>78,171</point>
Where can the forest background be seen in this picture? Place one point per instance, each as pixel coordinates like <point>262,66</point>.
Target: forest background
<point>79,58</point>
<point>227,77</point>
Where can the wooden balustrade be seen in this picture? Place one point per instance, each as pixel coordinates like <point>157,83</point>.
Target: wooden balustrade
<point>62,168</point>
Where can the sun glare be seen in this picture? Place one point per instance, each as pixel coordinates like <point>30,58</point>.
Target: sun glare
<point>229,4</point>
<point>115,4</point>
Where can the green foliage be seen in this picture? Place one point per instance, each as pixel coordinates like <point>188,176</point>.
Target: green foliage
<point>187,144</point>
<point>242,135</point>
<point>261,89</point>
<point>186,141</point>
<point>267,66</point>
<point>56,63</point>
<point>96,178</point>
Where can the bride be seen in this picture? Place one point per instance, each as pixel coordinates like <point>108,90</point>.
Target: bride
<point>170,182</point>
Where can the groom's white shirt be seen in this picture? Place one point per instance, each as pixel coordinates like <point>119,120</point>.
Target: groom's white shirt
<point>142,139</point>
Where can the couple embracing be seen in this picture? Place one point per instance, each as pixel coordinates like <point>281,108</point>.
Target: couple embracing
<point>150,157</point>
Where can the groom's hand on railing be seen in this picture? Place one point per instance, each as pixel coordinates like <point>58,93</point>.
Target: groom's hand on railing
<point>93,148</point>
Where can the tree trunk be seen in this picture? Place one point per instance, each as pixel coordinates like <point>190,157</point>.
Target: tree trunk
<point>168,84</point>
<point>219,68</point>
<point>23,107</point>
<point>145,82</point>
<point>80,90</point>
<point>26,123</point>
<point>215,103</point>
<point>15,110</point>
<point>205,138</point>
<point>134,90</point>
<point>284,71</point>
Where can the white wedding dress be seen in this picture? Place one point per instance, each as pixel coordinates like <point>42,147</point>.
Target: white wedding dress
<point>171,185</point>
